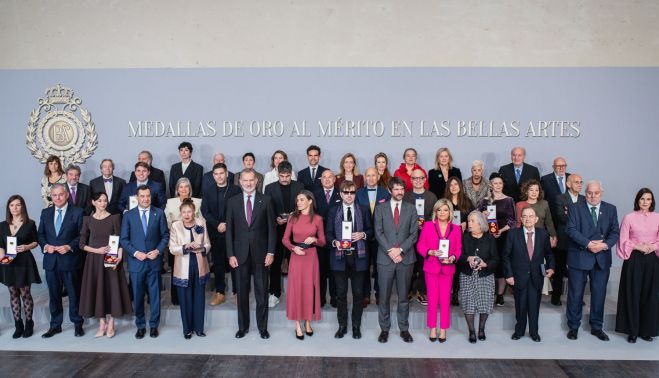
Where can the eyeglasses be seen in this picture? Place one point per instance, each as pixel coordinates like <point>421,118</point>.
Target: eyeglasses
<point>418,178</point>
<point>349,192</point>
<point>560,166</point>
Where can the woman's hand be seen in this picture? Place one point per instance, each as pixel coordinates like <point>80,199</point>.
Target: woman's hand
<point>553,240</point>
<point>192,245</point>
<point>103,250</point>
<point>298,251</point>
<point>310,240</point>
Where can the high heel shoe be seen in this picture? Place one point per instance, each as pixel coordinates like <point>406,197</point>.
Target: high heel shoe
<point>442,339</point>
<point>110,329</point>
<point>299,337</point>
<point>101,330</point>
<point>481,335</point>
<point>309,333</point>
<point>472,337</point>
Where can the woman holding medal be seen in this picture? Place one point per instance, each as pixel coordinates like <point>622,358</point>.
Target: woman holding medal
<point>104,291</point>
<point>440,244</point>
<point>189,243</point>
<point>19,273</point>
<point>505,220</point>
<point>476,264</point>
<point>304,232</point>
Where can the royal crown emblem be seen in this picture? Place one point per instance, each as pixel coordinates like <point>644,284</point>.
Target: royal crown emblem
<point>55,128</point>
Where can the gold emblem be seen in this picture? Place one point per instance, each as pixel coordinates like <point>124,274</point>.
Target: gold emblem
<point>54,128</point>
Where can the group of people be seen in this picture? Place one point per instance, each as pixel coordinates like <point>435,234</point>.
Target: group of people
<point>440,238</point>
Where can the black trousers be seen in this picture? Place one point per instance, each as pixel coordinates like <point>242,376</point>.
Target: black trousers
<point>560,256</point>
<point>244,272</point>
<point>220,264</point>
<point>638,296</point>
<point>275,268</point>
<point>527,305</point>
<point>357,285</point>
<point>325,275</point>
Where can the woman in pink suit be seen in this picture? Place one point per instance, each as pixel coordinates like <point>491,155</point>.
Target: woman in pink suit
<point>304,232</point>
<point>439,271</point>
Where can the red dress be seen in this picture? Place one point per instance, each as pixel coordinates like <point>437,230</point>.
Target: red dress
<point>303,287</point>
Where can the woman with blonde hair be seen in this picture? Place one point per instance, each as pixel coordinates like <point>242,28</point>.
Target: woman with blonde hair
<point>348,171</point>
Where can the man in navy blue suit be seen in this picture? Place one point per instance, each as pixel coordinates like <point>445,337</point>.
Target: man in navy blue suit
<point>524,254</point>
<point>158,197</point>
<point>326,196</point>
<point>593,231</point>
<point>310,176</point>
<point>370,196</point>
<point>144,236</point>
<point>208,180</point>
<point>59,238</point>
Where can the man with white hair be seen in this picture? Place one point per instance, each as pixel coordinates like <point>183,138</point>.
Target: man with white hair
<point>476,187</point>
<point>517,173</point>
<point>593,231</point>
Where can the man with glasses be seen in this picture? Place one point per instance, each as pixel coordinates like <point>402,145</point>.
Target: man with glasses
<point>593,230</point>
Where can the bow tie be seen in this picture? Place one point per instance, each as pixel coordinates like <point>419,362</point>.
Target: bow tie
<point>108,180</point>
<point>372,190</point>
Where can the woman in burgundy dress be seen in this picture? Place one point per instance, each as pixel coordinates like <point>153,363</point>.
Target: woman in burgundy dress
<point>304,232</point>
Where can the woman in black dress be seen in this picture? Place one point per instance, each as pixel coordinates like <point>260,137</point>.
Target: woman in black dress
<point>444,169</point>
<point>104,290</point>
<point>21,272</point>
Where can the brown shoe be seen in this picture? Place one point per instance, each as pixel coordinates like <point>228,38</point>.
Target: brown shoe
<point>218,299</point>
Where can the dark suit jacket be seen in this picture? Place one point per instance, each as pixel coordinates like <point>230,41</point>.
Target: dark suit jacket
<point>511,188</point>
<point>382,195</point>
<point>194,173</point>
<point>214,210</point>
<point>208,180</point>
<point>155,174</point>
<point>581,230</point>
<point>322,207</point>
<point>304,177</point>
<point>336,263</point>
<point>563,204</point>
<point>133,239</point>
<point>83,197</point>
<point>69,234</point>
<point>516,262</point>
<point>388,235</point>
<point>274,192</point>
<point>552,191</point>
<point>256,239</point>
<point>158,198</point>
<point>97,186</point>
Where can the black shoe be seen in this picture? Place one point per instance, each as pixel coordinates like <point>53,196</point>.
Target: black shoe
<point>515,336</point>
<point>356,333</point>
<point>19,329</point>
<point>188,336</point>
<point>265,334</point>
<point>405,335</point>
<point>153,332</point>
<point>535,338</point>
<point>556,301</point>
<point>140,333</point>
<point>631,339</point>
<point>309,333</point>
<point>472,337</point>
<point>647,338</point>
<point>600,334</point>
<point>499,300</point>
<point>29,328</point>
<point>572,334</point>
<point>341,332</point>
<point>333,302</point>
<point>200,334</point>
<point>384,337</point>
<point>481,335</point>
<point>79,332</point>
<point>52,332</point>
<point>241,333</point>
<point>432,339</point>
<point>299,337</point>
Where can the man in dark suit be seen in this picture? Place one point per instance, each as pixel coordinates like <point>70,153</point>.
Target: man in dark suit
<point>524,254</point>
<point>109,184</point>
<point>593,230</point>
<point>516,173</point>
<point>208,179</point>
<point>396,230</point>
<point>563,204</point>
<point>310,176</point>
<point>248,163</point>
<point>326,196</point>
<point>352,262</point>
<point>371,195</point>
<point>213,208</point>
<point>251,235</point>
<point>141,173</point>
<point>186,168</point>
<point>144,236</point>
<point>79,193</point>
<point>155,174</point>
<point>59,239</point>
<point>282,194</point>
<point>554,184</point>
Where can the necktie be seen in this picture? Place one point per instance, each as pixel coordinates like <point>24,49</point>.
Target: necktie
<point>249,210</point>
<point>313,173</point>
<point>58,221</point>
<point>327,196</point>
<point>372,190</point>
<point>372,203</point>
<point>529,244</point>
<point>561,184</point>
<point>349,215</point>
<point>144,223</point>
<point>107,180</point>
<point>396,216</point>
<point>593,214</point>
<point>518,174</point>
<point>73,194</point>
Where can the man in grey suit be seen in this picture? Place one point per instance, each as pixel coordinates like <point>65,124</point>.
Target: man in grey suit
<point>396,228</point>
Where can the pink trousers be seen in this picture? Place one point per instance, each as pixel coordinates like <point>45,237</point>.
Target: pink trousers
<point>438,286</point>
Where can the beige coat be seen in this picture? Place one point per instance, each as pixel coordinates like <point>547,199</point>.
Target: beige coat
<point>180,236</point>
